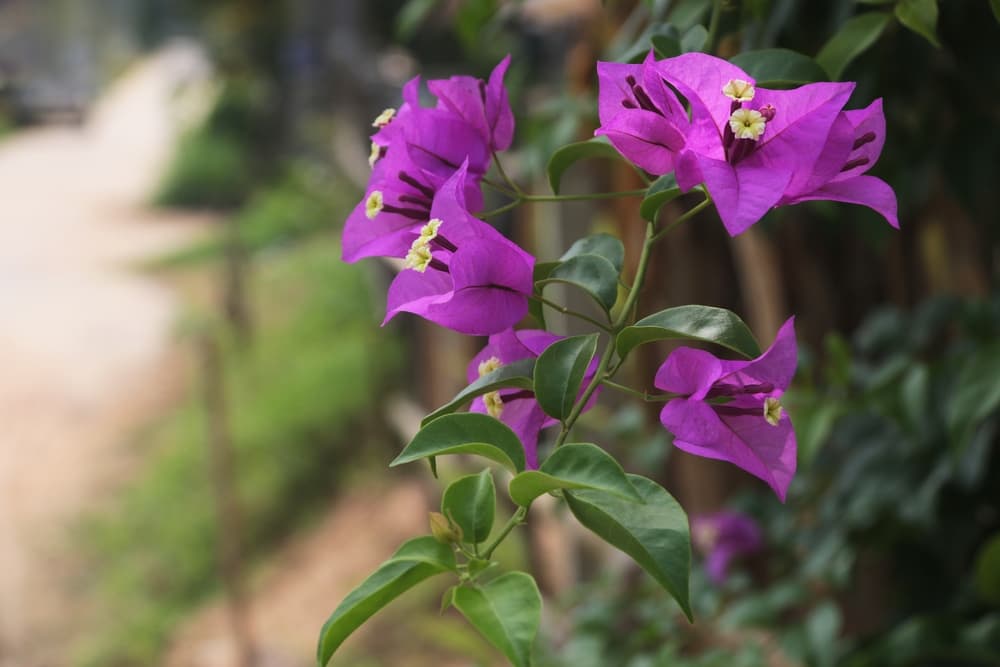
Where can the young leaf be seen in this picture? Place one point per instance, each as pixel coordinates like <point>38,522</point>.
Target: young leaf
<point>559,373</point>
<point>592,273</point>
<point>573,466</point>
<point>415,561</point>
<point>507,612</point>
<point>465,433</point>
<point>921,17</point>
<point>779,68</point>
<point>471,501</point>
<point>607,246</point>
<point>705,323</point>
<point>853,39</point>
<point>516,374</point>
<point>663,190</point>
<point>566,156</point>
<point>654,533</point>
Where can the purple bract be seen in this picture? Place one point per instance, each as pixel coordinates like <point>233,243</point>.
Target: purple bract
<point>723,537</point>
<point>730,410</point>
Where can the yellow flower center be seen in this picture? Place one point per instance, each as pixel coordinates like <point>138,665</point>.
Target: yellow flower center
<point>419,256</point>
<point>739,90</point>
<point>494,404</point>
<point>373,205</point>
<point>747,124</point>
<point>374,156</point>
<point>772,411</point>
<point>383,118</point>
<point>489,365</point>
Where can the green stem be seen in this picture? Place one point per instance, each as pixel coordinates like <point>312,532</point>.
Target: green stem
<point>516,519</point>
<point>566,311</point>
<point>687,216</point>
<point>713,26</point>
<point>583,197</point>
<point>506,179</point>
<point>500,209</point>
<point>646,396</point>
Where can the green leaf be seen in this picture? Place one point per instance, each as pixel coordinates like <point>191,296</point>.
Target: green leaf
<point>573,466</point>
<point>688,12</point>
<point>465,433</point>
<point>607,246</point>
<point>694,39</point>
<point>535,307</point>
<point>779,68</point>
<point>705,323</point>
<point>470,502</point>
<point>516,374</point>
<point>663,190</point>
<point>655,533</point>
<point>853,39</point>
<point>566,156</point>
<point>995,5</point>
<point>921,17</point>
<point>507,611</point>
<point>415,561</point>
<point>559,373</point>
<point>666,46</point>
<point>988,571</point>
<point>976,392</point>
<point>592,273</point>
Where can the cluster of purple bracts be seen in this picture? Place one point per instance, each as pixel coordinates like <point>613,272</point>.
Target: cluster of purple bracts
<point>752,148</point>
<point>427,164</point>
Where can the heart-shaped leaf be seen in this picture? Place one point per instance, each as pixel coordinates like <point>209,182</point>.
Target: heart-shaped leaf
<point>465,433</point>
<point>654,533</point>
<point>507,611</point>
<point>704,323</point>
<point>573,466</point>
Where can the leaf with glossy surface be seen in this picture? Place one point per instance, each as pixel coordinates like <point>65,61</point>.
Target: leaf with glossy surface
<point>559,372</point>
<point>779,68</point>
<point>415,561</point>
<point>470,502</point>
<point>654,533</point>
<point>920,16</point>
<point>704,323</point>
<point>853,39</point>
<point>516,375</point>
<point>662,191</point>
<point>506,611</point>
<point>607,246</point>
<point>465,433</point>
<point>594,274</point>
<point>569,155</point>
<point>573,466</point>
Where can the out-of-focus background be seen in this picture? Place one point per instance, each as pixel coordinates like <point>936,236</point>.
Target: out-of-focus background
<point>197,404</point>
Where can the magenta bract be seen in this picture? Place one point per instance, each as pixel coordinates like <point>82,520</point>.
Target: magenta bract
<point>729,410</point>
<point>723,537</point>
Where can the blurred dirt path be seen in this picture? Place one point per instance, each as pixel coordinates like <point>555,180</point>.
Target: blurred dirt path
<point>85,343</point>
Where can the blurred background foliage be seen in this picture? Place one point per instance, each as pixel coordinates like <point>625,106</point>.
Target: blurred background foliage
<point>887,550</point>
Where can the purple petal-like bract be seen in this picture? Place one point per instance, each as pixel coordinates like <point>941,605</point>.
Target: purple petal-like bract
<point>728,410</point>
<point>722,537</point>
<point>477,281</point>
<point>803,146</point>
<point>520,411</point>
<point>483,105</point>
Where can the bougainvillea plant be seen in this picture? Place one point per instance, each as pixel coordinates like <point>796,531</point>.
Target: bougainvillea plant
<point>691,123</point>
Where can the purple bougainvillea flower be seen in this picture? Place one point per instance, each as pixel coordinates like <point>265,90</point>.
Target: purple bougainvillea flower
<point>517,408</point>
<point>640,115</point>
<point>852,147</point>
<point>414,152</point>
<point>483,105</point>
<point>730,410</point>
<point>749,145</point>
<point>460,272</point>
<point>723,537</point>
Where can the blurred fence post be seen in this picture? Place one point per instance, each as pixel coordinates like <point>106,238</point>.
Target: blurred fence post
<point>220,460</point>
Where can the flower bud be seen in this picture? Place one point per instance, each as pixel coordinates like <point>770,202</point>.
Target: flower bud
<point>443,530</point>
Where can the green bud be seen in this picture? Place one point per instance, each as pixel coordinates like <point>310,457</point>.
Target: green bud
<point>443,529</point>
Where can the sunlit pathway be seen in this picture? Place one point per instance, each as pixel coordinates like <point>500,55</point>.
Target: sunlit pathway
<point>85,342</point>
